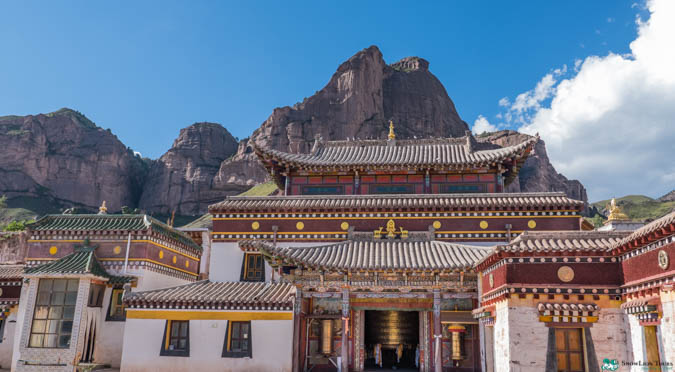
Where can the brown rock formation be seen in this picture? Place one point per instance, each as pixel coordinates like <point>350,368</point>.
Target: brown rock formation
<point>64,159</point>
<point>537,173</point>
<point>182,179</point>
<point>358,102</point>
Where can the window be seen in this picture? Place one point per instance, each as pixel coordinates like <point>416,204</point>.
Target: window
<point>116,309</point>
<point>238,340</point>
<point>96,295</point>
<point>254,268</point>
<point>54,312</point>
<point>569,349</point>
<point>176,338</point>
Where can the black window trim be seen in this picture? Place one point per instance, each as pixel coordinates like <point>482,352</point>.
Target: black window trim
<point>242,276</point>
<point>238,354</point>
<point>176,353</point>
<point>111,318</point>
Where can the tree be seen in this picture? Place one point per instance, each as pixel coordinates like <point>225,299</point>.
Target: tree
<point>17,225</point>
<point>3,201</point>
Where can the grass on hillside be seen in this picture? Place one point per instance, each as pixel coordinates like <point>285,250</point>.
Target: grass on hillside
<point>639,207</point>
<point>263,189</point>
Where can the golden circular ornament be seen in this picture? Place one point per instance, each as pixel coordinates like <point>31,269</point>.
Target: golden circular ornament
<point>255,225</point>
<point>437,225</point>
<point>53,250</point>
<point>161,254</point>
<point>663,259</point>
<point>174,259</point>
<point>483,225</point>
<point>344,226</point>
<point>565,274</point>
<point>300,225</point>
<point>117,250</point>
<point>531,224</point>
<point>187,263</point>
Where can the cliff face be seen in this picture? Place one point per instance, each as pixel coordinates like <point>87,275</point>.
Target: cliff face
<point>537,173</point>
<point>65,159</point>
<point>62,158</point>
<point>182,179</point>
<point>358,102</point>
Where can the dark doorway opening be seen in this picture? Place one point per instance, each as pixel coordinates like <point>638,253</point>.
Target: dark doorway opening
<point>392,330</point>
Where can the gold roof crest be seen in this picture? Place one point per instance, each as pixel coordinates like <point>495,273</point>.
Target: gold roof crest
<point>615,212</point>
<point>391,135</point>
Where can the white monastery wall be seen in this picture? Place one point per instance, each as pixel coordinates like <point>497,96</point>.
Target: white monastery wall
<point>611,336</point>
<point>521,340</point>
<point>502,352</point>
<point>20,316</point>
<point>7,344</point>
<point>149,280</point>
<point>636,342</point>
<point>668,326</point>
<point>143,338</point>
<point>108,349</point>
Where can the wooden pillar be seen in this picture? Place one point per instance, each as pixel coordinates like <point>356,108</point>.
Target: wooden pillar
<point>344,345</point>
<point>297,329</point>
<point>438,348</point>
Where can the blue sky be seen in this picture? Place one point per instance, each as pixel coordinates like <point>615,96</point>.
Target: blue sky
<point>147,69</point>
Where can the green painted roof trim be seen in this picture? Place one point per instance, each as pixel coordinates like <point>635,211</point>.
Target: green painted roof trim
<point>103,222</point>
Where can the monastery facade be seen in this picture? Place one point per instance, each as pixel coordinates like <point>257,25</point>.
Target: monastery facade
<point>377,255</point>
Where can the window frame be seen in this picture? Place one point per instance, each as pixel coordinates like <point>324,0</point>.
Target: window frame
<point>96,294</point>
<point>227,345</point>
<point>116,318</point>
<point>166,340</point>
<point>59,334</point>
<point>244,277</point>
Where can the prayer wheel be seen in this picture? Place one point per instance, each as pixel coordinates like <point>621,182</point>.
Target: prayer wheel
<point>456,330</point>
<point>326,337</point>
<point>392,328</point>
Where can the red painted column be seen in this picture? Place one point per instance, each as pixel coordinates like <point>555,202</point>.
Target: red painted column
<point>438,348</point>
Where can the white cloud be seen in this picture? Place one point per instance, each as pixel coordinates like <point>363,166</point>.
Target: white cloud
<point>610,20</point>
<point>482,125</point>
<point>612,124</point>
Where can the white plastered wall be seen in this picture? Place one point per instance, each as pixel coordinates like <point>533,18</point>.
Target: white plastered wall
<point>668,326</point>
<point>7,344</point>
<point>611,336</point>
<point>637,342</point>
<point>143,340</point>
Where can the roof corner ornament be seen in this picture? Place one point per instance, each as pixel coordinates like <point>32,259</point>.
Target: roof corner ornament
<point>318,140</point>
<point>103,209</point>
<point>391,135</point>
<point>390,232</point>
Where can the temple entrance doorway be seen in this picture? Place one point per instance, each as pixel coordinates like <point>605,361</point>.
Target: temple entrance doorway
<point>391,339</point>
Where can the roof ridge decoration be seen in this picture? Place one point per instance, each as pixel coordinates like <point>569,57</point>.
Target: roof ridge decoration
<point>665,224</point>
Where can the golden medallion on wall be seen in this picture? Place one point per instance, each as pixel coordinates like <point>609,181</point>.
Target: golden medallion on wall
<point>187,263</point>
<point>663,259</point>
<point>161,254</point>
<point>53,250</point>
<point>344,226</point>
<point>255,225</point>
<point>437,225</point>
<point>117,250</point>
<point>174,259</point>
<point>565,274</point>
<point>300,225</point>
<point>483,225</point>
<point>531,224</point>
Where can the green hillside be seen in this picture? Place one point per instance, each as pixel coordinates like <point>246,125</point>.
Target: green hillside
<point>637,207</point>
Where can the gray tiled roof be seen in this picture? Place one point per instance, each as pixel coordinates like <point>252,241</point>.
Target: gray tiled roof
<point>217,295</point>
<point>377,254</point>
<point>11,272</point>
<point>422,153</point>
<point>647,229</point>
<point>435,202</point>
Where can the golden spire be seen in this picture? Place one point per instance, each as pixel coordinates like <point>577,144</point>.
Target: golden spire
<point>102,209</point>
<point>615,212</point>
<point>392,135</point>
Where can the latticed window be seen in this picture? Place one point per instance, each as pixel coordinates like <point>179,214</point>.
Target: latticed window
<point>54,311</point>
<point>569,349</point>
<point>238,341</point>
<point>176,338</point>
<point>253,267</point>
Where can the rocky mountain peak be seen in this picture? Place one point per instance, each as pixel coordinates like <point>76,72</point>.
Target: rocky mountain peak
<point>409,64</point>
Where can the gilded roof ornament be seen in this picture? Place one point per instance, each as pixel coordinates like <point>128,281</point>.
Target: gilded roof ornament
<point>392,135</point>
<point>615,212</point>
<point>390,232</point>
<point>102,209</point>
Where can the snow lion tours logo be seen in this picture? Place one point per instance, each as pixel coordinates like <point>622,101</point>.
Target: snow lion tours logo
<point>610,364</point>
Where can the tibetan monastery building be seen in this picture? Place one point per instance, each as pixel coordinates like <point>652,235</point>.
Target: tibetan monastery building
<point>376,255</point>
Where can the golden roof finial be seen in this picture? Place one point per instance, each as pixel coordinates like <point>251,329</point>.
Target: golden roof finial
<point>392,135</point>
<point>102,209</point>
<point>615,212</point>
